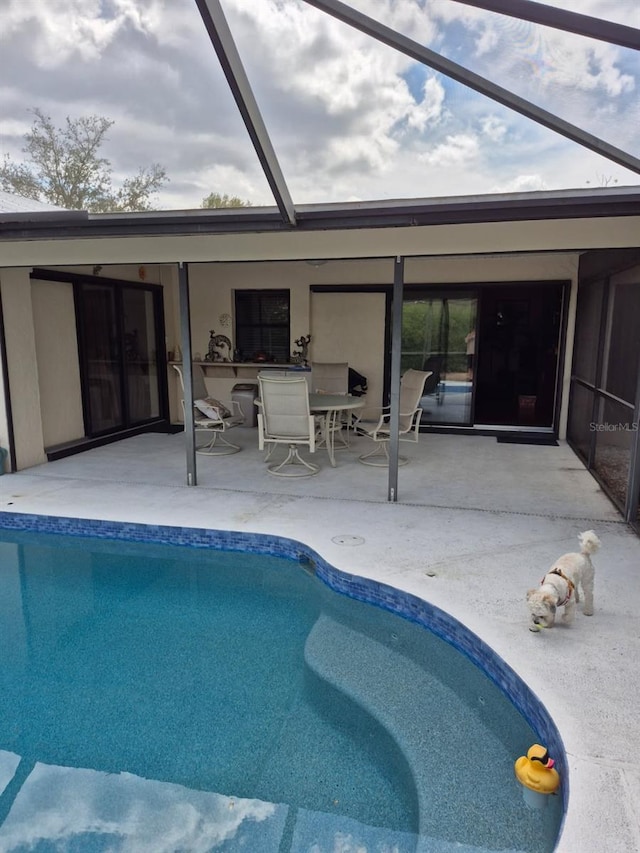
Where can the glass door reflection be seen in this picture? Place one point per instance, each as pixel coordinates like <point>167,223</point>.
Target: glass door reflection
<point>439,335</point>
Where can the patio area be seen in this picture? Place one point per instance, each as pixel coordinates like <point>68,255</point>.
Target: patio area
<point>477,523</point>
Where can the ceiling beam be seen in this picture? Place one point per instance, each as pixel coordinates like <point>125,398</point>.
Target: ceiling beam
<point>424,55</point>
<point>560,19</point>
<point>225,47</point>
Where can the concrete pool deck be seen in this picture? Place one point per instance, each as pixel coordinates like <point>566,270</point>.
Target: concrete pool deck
<point>477,523</point>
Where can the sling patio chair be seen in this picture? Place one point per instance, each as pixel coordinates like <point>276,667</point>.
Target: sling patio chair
<point>331,377</point>
<point>211,416</point>
<point>411,391</point>
<point>284,418</point>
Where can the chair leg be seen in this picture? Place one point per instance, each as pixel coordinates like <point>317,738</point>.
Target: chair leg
<point>218,446</point>
<point>292,460</point>
<point>379,456</point>
<point>342,432</point>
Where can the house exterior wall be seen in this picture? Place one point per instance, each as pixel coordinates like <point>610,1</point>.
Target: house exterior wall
<point>5,462</point>
<point>350,327</point>
<point>42,356</point>
<point>54,321</point>
<point>22,367</point>
<point>256,260</point>
<point>212,288</point>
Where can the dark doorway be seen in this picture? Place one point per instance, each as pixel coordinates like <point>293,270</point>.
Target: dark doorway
<point>517,354</point>
<point>121,344</point>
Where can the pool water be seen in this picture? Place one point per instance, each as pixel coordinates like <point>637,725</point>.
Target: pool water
<point>155,697</point>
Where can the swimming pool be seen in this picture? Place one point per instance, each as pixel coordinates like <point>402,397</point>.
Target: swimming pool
<point>190,698</point>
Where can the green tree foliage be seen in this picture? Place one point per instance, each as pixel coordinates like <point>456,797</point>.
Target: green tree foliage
<point>429,330</point>
<point>64,167</point>
<point>217,200</point>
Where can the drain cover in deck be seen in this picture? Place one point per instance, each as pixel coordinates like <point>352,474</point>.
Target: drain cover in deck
<point>347,539</point>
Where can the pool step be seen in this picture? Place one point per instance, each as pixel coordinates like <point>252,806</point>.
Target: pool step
<point>407,701</point>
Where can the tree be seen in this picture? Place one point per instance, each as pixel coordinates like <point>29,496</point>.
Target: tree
<point>65,169</point>
<point>604,180</point>
<point>217,200</point>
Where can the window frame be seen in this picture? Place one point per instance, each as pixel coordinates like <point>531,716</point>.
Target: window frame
<point>257,331</point>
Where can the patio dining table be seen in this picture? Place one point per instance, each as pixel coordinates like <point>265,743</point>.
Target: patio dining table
<point>331,407</point>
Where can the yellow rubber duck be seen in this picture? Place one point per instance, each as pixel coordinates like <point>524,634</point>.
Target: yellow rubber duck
<point>535,770</point>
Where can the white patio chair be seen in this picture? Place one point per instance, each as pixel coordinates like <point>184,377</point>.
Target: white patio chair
<point>211,415</point>
<point>411,390</point>
<point>329,377</point>
<point>284,418</point>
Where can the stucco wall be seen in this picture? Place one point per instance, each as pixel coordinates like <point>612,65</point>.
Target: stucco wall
<point>350,327</point>
<point>340,332</point>
<point>22,367</point>
<point>54,323</point>
<point>40,326</point>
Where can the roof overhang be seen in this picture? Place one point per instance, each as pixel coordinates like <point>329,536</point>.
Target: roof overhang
<point>439,239</point>
<point>397,213</point>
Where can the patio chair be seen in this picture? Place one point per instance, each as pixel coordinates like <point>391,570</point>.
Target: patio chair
<point>284,418</point>
<point>331,377</point>
<point>434,386</point>
<point>211,415</point>
<point>411,391</point>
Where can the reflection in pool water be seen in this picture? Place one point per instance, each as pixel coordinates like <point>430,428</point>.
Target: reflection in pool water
<point>166,698</point>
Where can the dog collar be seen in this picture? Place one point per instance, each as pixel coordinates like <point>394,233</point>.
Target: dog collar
<point>569,583</point>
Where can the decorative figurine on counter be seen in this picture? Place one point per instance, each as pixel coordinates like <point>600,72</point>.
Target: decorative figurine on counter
<point>300,356</point>
<point>220,348</point>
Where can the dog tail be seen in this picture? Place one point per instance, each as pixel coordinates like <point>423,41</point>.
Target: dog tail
<point>589,542</point>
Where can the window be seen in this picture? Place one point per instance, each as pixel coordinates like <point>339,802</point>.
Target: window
<point>262,324</point>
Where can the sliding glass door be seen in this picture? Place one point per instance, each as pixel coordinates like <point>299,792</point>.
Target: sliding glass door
<point>438,335</point>
<point>120,337</point>
<point>102,355</point>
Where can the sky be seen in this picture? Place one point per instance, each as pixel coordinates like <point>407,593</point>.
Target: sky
<point>350,119</point>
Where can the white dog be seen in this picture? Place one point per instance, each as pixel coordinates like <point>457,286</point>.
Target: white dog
<point>561,586</point>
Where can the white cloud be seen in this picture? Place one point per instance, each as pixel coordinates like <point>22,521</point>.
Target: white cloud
<point>536,58</point>
<point>493,128</point>
<point>61,805</point>
<point>455,150</point>
<point>349,118</point>
<point>67,28</point>
<point>429,110</point>
<point>487,42</point>
<point>521,184</point>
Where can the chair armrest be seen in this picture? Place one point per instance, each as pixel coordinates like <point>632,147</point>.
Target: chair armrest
<point>373,425</point>
<point>235,408</point>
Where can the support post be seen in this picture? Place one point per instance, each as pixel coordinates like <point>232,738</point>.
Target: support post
<point>187,372</point>
<point>633,489</point>
<point>396,353</point>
